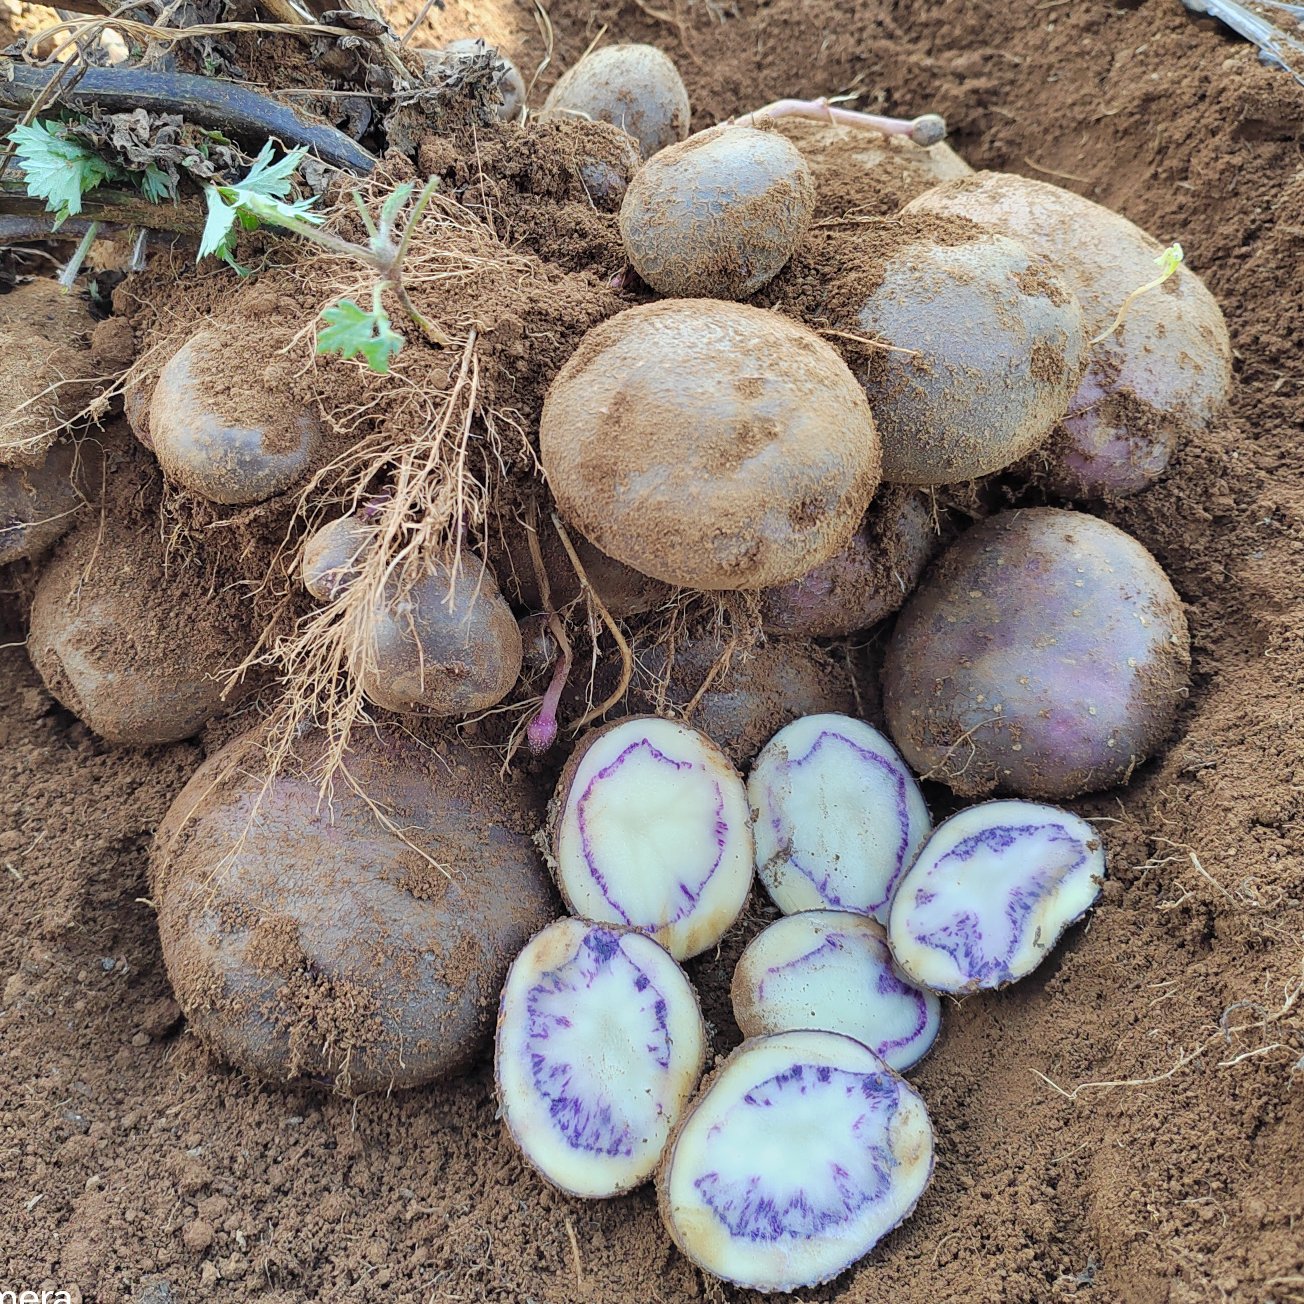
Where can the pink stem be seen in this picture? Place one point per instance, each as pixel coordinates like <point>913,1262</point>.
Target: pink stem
<point>541,732</point>
<point>928,129</point>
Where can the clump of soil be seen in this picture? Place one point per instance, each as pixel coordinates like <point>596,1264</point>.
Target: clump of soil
<point>1124,1125</point>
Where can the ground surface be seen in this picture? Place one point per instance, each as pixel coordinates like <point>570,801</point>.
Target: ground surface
<point>132,1167</point>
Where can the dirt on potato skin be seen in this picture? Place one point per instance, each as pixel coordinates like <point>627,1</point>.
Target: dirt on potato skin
<point>153,1164</point>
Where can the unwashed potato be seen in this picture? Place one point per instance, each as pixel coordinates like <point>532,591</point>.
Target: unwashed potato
<point>981,346</point>
<point>1044,655</point>
<point>38,503</point>
<point>334,553</point>
<point>130,640</point>
<point>1164,372</point>
<point>634,87</point>
<point>510,85</point>
<point>224,430</point>
<point>709,444</point>
<point>446,645</point>
<point>718,215</point>
<point>325,940</point>
<point>866,172</point>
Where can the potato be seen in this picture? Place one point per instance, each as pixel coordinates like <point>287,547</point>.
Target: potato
<point>510,84</point>
<point>136,398</point>
<point>1165,371</point>
<point>333,554</point>
<point>709,444</point>
<point>220,429</point>
<point>307,939</point>
<point>718,215</point>
<point>995,347</point>
<point>634,87</point>
<point>1045,655</point>
<point>868,580</point>
<point>129,640</point>
<point>866,172</point>
<point>38,503</point>
<point>448,646</point>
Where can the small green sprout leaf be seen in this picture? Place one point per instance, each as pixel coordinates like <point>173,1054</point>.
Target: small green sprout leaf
<point>1168,261</point>
<point>58,170</point>
<point>350,330</point>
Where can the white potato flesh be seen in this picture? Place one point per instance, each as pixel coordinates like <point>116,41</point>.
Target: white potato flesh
<point>832,971</point>
<point>801,1153</point>
<point>600,1044</point>
<point>653,832</point>
<point>991,893</point>
<point>838,816</point>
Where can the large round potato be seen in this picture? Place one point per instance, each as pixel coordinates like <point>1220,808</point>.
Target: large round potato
<point>717,215</point>
<point>307,939</point>
<point>134,643</point>
<point>709,444</point>
<point>985,346</point>
<point>1044,655</point>
<point>1165,371</point>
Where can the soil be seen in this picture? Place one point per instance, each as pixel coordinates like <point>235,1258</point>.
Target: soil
<point>1125,1125</point>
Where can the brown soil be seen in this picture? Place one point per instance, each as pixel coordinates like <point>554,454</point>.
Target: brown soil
<point>1124,1126</point>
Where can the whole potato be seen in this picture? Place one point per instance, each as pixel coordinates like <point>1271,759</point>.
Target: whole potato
<point>709,444</point>
<point>309,939</point>
<point>334,553</point>
<point>718,215</point>
<point>633,87</point>
<point>38,503</point>
<point>985,346</point>
<point>448,645</point>
<point>1044,655</point>
<point>866,172</point>
<point>131,641</point>
<point>869,579</point>
<point>1165,371</point>
<point>224,431</point>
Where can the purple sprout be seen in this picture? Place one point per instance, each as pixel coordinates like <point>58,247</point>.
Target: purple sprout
<point>600,1043</point>
<point>991,893</point>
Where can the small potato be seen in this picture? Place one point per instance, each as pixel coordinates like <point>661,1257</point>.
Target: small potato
<point>995,344</point>
<point>710,445</point>
<point>448,646</point>
<point>1164,372</point>
<point>333,554</point>
<point>866,172</point>
<point>868,580</point>
<point>510,84</point>
<point>359,941</point>
<point>220,431</point>
<point>634,87</point>
<point>38,503</point>
<point>130,642</point>
<point>718,215</point>
<point>1045,655</point>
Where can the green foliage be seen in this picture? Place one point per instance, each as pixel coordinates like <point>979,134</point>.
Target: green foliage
<point>58,170</point>
<point>350,330</point>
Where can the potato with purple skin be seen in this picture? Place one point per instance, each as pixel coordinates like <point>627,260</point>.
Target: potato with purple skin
<point>710,445</point>
<point>1045,655</point>
<point>868,580</point>
<point>634,87</point>
<point>991,893</point>
<point>334,554</point>
<point>600,1044</point>
<point>718,215</point>
<point>38,504</point>
<point>362,940</point>
<point>1164,373</point>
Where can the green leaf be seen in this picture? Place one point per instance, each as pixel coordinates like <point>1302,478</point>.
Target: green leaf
<point>157,185</point>
<point>257,200</point>
<point>58,170</point>
<point>350,330</point>
<point>396,201</point>
<point>218,237</point>
<point>272,179</point>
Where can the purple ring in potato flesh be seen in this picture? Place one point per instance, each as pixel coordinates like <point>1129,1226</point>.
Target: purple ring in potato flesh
<point>832,971</point>
<point>650,829</point>
<point>991,893</point>
<point>838,816</point>
<point>797,1157</point>
<point>600,1044</point>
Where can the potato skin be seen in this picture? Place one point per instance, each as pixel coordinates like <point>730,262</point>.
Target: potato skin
<point>708,444</point>
<point>132,646</point>
<point>333,554</point>
<point>999,350</point>
<point>323,945</point>
<point>718,215</point>
<point>511,86</point>
<point>38,503</point>
<point>206,446</point>
<point>634,87</point>
<point>1166,371</point>
<point>1045,655</point>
